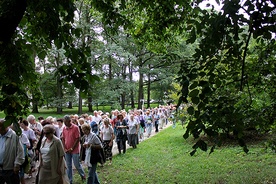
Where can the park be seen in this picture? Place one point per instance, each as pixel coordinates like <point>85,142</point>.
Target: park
<point>214,60</point>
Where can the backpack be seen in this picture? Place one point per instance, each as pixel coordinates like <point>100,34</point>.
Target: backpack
<point>142,122</point>
<point>97,155</point>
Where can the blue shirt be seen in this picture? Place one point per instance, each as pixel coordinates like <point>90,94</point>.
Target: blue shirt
<point>2,147</point>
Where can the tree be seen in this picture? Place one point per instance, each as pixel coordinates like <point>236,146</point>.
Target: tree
<point>218,81</point>
<point>42,21</point>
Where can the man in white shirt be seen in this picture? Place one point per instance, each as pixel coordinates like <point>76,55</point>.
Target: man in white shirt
<point>95,123</point>
<point>97,118</point>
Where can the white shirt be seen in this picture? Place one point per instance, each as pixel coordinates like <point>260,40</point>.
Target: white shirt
<point>107,132</point>
<point>132,126</point>
<point>97,119</point>
<point>24,140</point>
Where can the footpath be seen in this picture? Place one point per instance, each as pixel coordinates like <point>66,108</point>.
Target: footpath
<point>114,151</point>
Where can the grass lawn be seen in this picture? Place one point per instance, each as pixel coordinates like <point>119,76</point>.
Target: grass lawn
<point>52,112</point>
<point>165,158</point>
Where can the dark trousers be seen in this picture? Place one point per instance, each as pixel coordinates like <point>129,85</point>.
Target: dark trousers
<point>133,140</point>
<point>121,144</point>
<point>9,177</point>
<point>156,126</point>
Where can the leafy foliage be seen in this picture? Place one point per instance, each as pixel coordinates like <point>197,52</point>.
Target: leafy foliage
<point>221,84</point>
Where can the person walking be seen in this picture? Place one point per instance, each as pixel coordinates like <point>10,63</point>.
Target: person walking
<point>142,125</point>
<point>51,163</point>
<point>133,127</point>
<point>91,142</point>
<point>149,123</point>
<point>33,140</point>
<point>71,144</point>
<point>11,155</point>
<point>121,136</point>
<point>155,120</point>
<point>107,135</point>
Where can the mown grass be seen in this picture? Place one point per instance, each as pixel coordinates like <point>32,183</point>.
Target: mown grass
<point>165,159</point>
<point>52,112</point>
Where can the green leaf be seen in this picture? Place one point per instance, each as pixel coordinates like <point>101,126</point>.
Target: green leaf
<point>203,83</point>
<point>212,149</point>
<point>194,93</point>
<point>186,135</point>
<point>193,85</point>
<point>192,76</point>
<point>17,128</point>
<point>201,105</point>
<point>58,43</point>
<point>206,90</point>
<point>42,55</point>
<point>191,110</point>
<point>197,113</point>
<point>202,74</point>
<point>193,152</point>
<point>202,145</point>
<point>195,100</point>
<point>192,36</point>
<point>218,83</point>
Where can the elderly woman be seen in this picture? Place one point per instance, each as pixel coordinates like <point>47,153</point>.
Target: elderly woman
<point>107,135</point>
<point>121,136</point>
<point>91,142</point>
<point>149,122</point>
<point>133,126</point>
<point>51,164</point>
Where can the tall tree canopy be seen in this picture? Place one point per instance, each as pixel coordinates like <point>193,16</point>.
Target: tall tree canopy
<point>223,80</point>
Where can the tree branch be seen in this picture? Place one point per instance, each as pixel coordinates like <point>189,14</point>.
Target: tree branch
<point>11,14</point>
<point>244,57</point>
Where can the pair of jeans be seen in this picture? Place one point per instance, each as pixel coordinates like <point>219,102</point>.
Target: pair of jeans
<point>92,175</point>
<point>76,159</point>
<point>9,177</point>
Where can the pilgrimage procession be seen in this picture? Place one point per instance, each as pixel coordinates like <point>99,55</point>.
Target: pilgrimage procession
<point>87,87</point>
<point>47,147</point>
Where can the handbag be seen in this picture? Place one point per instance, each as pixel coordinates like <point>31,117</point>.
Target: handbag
<point>97,155</point>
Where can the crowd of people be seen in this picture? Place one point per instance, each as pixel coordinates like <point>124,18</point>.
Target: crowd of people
<point>50,146</point>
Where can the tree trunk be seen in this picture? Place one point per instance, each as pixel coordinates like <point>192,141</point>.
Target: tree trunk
<point>140,91</point>
<point>123,100</point>
<point>131,81</point>
<point>123,95</point>
<point>59,88</point>
<point>110,70</point>
<point>90,108</point>
<point>80,104</point>
<point>148,91</point>
<point>35,106</point>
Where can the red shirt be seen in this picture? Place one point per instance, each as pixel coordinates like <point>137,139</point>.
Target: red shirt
<point>70,135</point>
